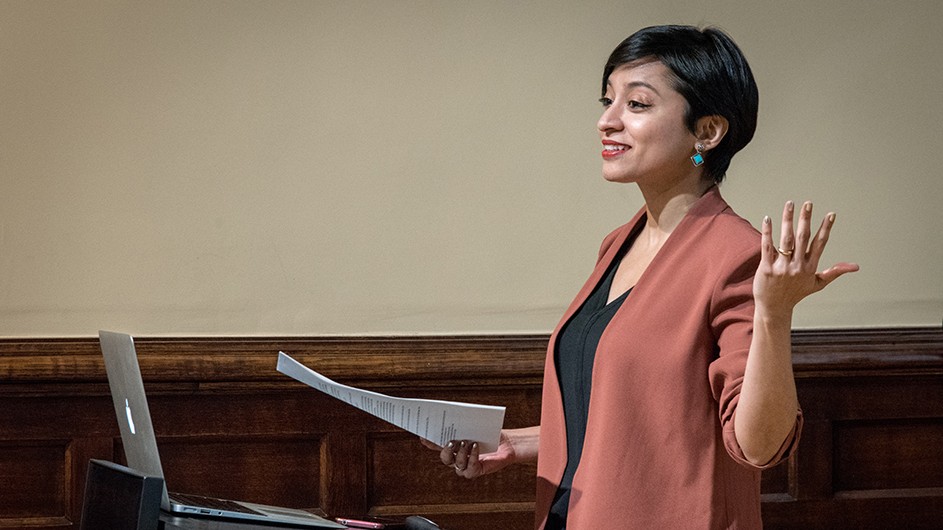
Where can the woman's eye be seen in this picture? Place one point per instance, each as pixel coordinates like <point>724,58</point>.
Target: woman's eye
<point>606,102</point>
<point>637,105</point>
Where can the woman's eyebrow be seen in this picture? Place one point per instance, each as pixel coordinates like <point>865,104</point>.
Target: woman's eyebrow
<point>636,84</point>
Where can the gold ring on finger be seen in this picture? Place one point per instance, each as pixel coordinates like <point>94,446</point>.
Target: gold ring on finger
<point>784,252</point>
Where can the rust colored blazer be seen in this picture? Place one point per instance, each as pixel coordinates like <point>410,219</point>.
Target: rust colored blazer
<point>660,449</point>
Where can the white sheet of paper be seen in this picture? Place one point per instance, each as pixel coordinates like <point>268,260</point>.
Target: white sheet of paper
<point>434,420</point>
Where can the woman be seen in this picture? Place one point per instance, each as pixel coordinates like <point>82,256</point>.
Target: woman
<point>668,384</point>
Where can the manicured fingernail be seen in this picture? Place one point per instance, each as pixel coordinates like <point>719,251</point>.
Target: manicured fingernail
<point>831,217</point>
<point>474,446</point>
<point>790,205</point>
<point>766,220</point>
<point>808,206</point>
<point>451,445</point>
<point>463,443</point>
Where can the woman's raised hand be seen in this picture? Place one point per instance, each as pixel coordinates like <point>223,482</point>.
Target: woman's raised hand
<point>788,272</point>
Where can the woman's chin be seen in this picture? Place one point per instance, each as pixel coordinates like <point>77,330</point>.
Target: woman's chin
<point>617,177</point>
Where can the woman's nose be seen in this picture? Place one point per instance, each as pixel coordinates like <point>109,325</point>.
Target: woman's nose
<point>609,121</point>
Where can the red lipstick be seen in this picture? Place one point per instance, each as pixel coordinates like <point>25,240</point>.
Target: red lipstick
<point>613,149</point>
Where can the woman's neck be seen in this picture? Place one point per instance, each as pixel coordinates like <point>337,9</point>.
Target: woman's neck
<point>667,207</point>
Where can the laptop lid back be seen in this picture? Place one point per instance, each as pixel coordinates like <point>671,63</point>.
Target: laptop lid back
<point>134,418</point>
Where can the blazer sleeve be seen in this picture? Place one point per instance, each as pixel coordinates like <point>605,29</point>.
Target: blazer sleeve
<point>732,325</point>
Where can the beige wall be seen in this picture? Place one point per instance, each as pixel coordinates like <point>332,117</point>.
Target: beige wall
<point>350,167</point>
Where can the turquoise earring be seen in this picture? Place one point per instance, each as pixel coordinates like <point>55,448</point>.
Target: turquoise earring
<point>698,158</point>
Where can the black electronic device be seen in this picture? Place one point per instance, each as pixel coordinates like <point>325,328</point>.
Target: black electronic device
<point>120,497</point>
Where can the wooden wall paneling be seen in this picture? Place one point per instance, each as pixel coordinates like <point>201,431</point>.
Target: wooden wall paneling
<point>34,474</point>
<point>872,399</point>
<point>869,455</point>
<point>46,440</point>
<point>812,477</point>
<point>880,456</point>
<point>344,483</point>
<point>265,469</point>
<point>79,452</point>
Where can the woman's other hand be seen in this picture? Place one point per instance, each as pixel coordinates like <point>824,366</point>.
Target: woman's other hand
<point>515,445</point>
<point>789,272</point>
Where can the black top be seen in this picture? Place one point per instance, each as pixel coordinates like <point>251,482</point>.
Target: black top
<point>575,353</point>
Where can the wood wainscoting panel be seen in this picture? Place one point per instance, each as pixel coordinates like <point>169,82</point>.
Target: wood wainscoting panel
<point>887,455</point>
<point>229,424</point>
<point>269,469</point>
<point>33,475</point>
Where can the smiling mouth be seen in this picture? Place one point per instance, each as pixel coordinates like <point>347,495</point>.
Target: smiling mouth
<point>613,150</point>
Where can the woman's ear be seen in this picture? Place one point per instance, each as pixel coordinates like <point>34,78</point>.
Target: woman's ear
<point>710,130</point>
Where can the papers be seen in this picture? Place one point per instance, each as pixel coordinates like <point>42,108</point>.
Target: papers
<point>434,420</point>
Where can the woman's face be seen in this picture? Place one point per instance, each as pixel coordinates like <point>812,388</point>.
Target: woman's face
<point>643,132</point>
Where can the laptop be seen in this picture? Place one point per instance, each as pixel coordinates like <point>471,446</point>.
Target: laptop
<point>140,445</point>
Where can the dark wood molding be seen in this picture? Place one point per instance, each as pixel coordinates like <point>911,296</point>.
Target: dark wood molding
<point>884,351</point>
<point>460,359</point>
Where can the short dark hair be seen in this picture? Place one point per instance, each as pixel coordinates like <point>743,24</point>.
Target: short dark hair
<point>710,72</point>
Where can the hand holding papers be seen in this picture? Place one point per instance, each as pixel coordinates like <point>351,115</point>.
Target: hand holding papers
<point>436,421</point>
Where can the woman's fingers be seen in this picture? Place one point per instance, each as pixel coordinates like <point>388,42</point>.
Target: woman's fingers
<point>767,250</point>
<point>787,236</point>
<point>821,237</point>
<point>467,464</point>
<point>475,466</point>
<point>830,274</point>
<point>803,230</point>
<point>797,244</point>
<point>447,454</point>
<point>456,454</point>
<point>788,272</point>
<point>463,457</point>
